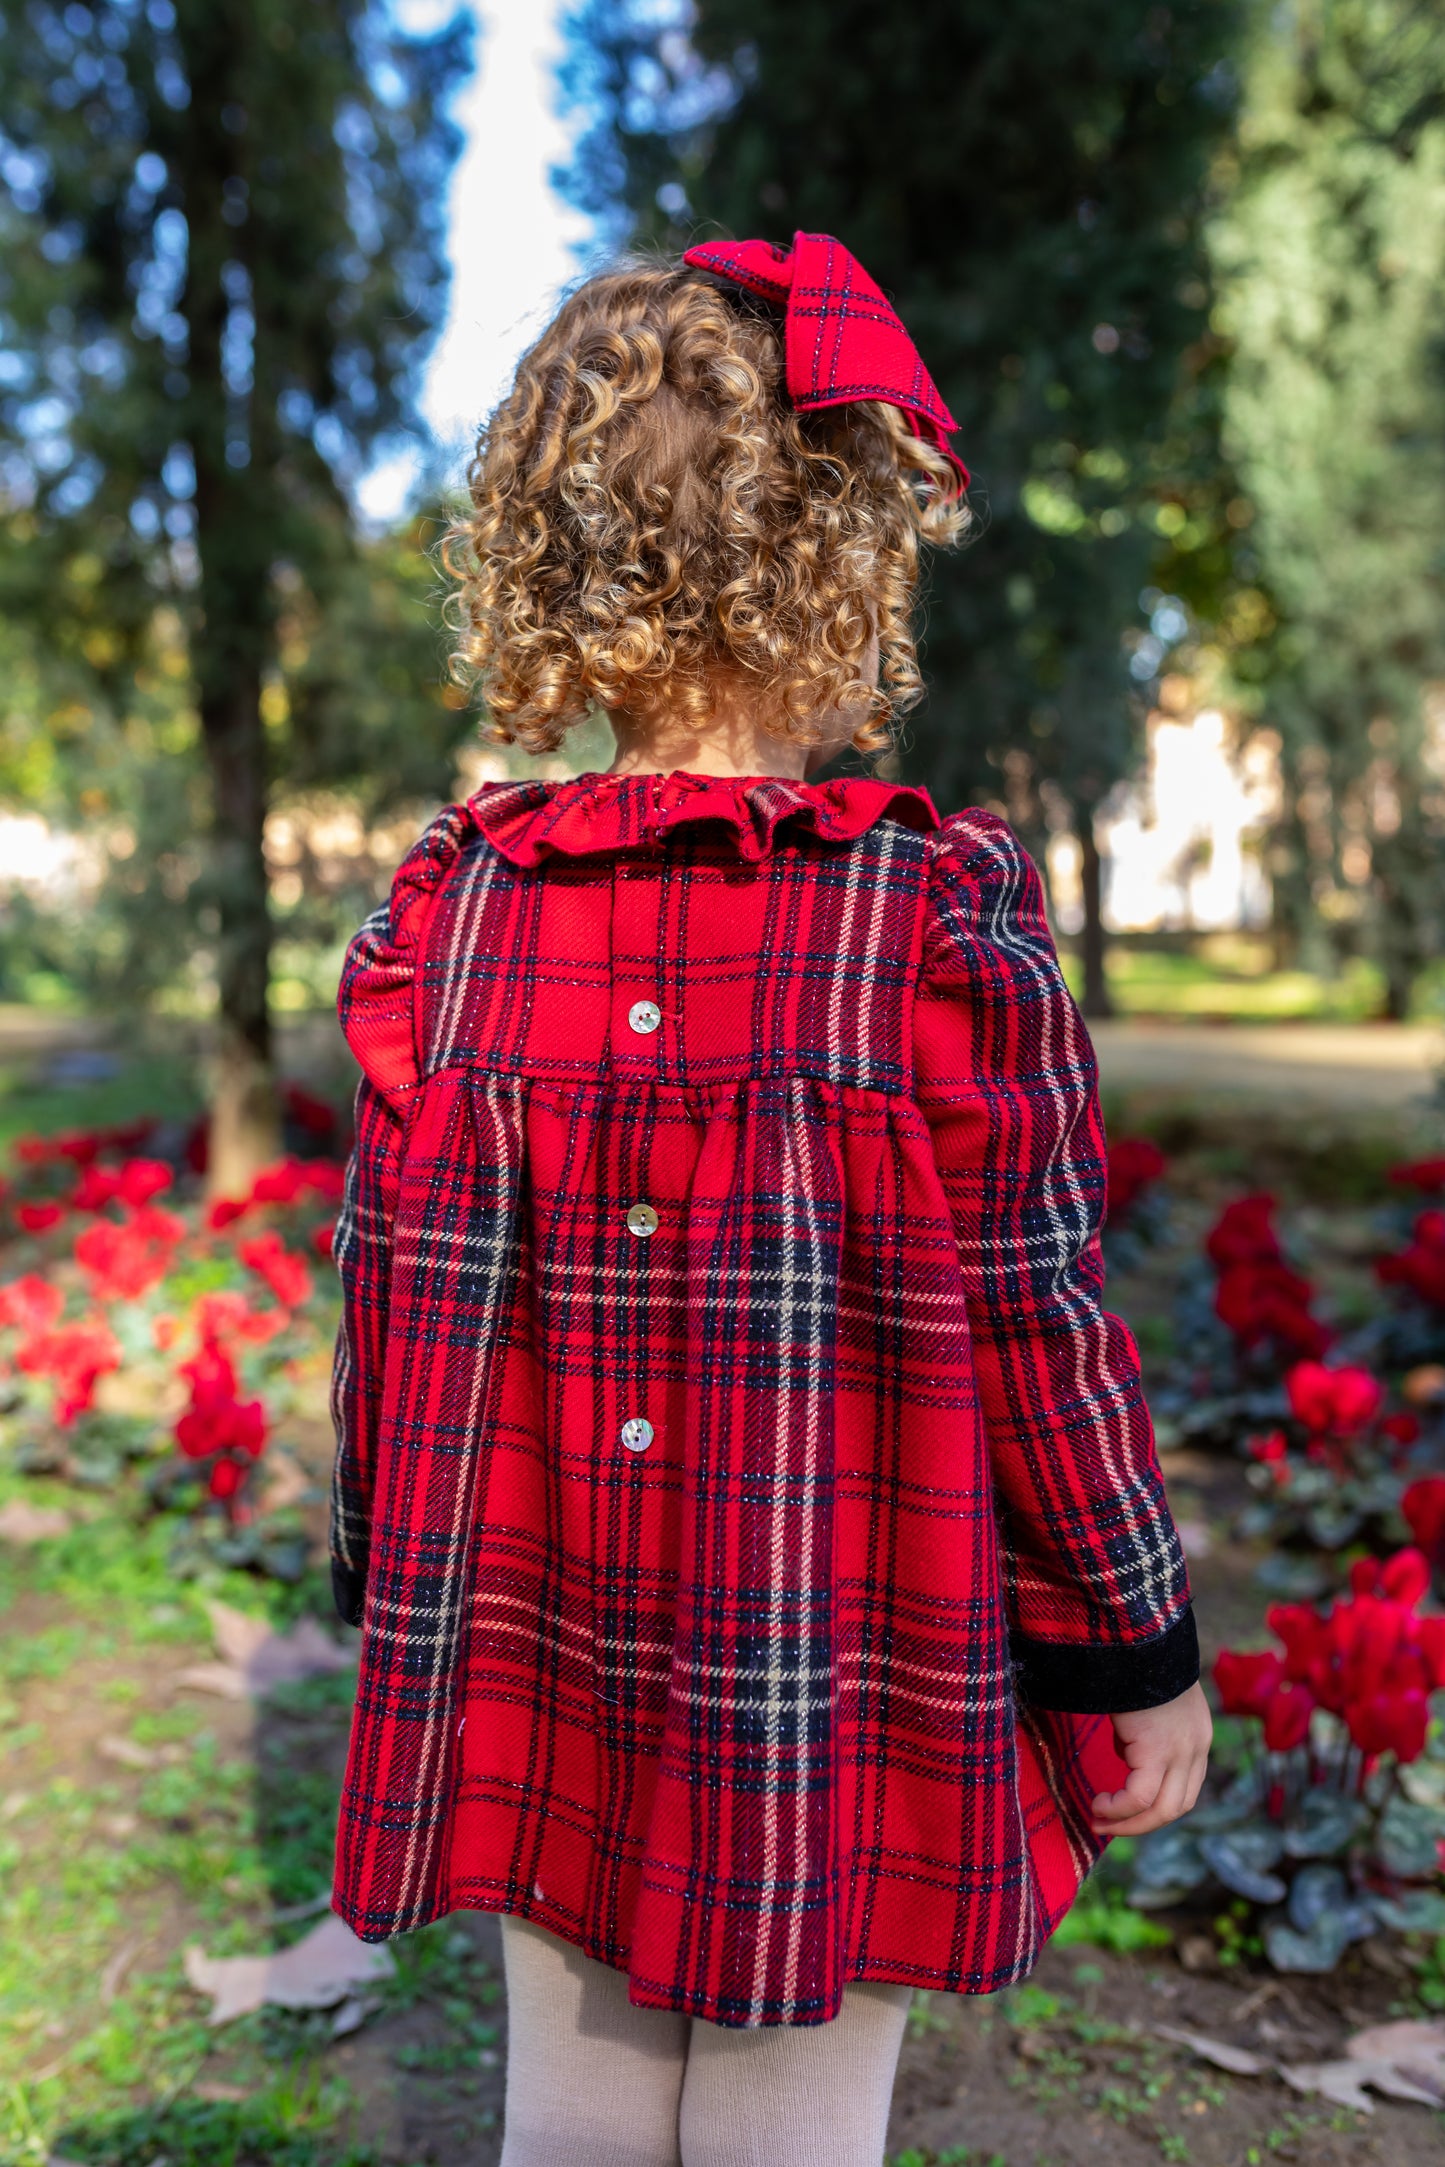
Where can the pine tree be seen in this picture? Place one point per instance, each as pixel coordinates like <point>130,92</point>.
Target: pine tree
<point>1028,184</point>
<point>221,263</point>
<point>1331,262</point>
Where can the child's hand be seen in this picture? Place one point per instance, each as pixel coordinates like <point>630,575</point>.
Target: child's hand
<point>1167,1752</point>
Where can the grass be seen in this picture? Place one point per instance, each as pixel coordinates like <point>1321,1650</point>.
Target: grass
<point>105,2053</point>
<point>1232,975</point>
<point>1102,1916</point>
<point>157,1084</point>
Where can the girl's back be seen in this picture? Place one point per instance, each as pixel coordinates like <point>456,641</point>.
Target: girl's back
<point>710,1111</point>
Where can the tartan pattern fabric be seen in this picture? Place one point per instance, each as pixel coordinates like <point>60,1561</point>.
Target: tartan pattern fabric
<point>734,1706</point>
<point>842,340</point>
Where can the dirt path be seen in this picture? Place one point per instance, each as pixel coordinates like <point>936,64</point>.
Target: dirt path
<point>1369,1067</point>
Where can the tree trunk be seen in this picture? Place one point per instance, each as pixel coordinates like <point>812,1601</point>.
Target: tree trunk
<point>232,443</point>
<point>1096,1001</point>
<point>1407,883</point>
<point>245,1123</point>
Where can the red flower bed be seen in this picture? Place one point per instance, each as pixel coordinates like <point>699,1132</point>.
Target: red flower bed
<point>1371,1660</point>
<point>67,1324</point>
<point>219,1426</point>
<point>1259,1297</point>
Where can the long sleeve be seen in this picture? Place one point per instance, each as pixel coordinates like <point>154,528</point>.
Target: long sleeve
<point>362,1250</point>
<point>1095,1579</point>
<point>376,1002</point>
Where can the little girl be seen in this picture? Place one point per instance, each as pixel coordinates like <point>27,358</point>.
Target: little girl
<point>768,1596</point>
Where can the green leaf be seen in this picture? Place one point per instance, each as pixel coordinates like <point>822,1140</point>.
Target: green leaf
<point>1238,1802</point>
<point>1317,1951</point>
<point>1242,1857</point>
<point>1170,1858</point>
<point>1416,1911</point>
<point>1407,1840</point>
<point>1321,1892</point>
<point>1325,1823</point>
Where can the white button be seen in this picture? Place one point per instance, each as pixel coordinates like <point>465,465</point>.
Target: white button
<point>644,1016</point>
<point>637,1433</point>
<point>641,1219</point>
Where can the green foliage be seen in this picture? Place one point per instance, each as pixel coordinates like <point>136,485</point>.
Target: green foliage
<point>1041,236</point>
<point>1329,249</point>
<point>1102,1915</point>
<point>287,2127</point>
<point>222,228</point>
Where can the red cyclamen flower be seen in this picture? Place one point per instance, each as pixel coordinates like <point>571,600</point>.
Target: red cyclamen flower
<point>76,1356</point>
<point>31,1302</point>
<point>1423,1505</point>
<point>124,1257</point>
<point>1134,1162</point>
<point>287,1275</point>
<point>40,1217</point>
<point>1333,1402</point>
<point>1420,1266</point>
<point>1244,1233</point>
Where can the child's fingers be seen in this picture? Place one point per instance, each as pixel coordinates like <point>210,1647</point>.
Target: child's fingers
<point>1138,1793</point>
<point>1174,1796</point>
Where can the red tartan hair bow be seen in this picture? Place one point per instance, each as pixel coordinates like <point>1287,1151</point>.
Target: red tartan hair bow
<point>841,341</point>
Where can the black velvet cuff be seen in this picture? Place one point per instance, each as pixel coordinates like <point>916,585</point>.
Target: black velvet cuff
<point>1112,1680</point>
<point>349,1588</point>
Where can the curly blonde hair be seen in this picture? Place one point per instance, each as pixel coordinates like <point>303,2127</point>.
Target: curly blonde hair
<point>648,510</point>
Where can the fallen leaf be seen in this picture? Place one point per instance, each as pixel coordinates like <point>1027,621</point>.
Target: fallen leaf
<point>1337,2081</point>
<point>1401,2083</point>
<point>1409,2042</point>
<point>238,1633</point>
<point>119,1965</point>
<point>20,1521</point>
<point>320,1902</point>
<point>221,1678</point>
<point>317,1972</point>
<point>1343,2082</point>
<point>351,2016</point>
<point>128,1751</point>
<point>255,1657</point>
<point>1237,2060</point>
<point>217,2093</point>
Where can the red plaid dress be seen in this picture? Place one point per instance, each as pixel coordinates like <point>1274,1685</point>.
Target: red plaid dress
<point>739,1485</point>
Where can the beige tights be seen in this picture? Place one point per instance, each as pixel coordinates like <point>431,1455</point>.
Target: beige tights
<point>594,2082</point>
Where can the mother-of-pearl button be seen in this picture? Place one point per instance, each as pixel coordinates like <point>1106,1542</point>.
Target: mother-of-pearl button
<point>637,1433</point>
<point>644,1016</point>
<point>641,1219</point>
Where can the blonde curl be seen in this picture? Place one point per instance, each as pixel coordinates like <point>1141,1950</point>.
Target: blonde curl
<point>648,510</point>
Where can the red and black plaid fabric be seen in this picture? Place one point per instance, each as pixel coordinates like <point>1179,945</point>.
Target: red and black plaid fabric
<point>743,1495</point>
<point>842,340</point>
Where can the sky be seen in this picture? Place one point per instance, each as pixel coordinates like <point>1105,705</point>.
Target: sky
<point>512,240</point>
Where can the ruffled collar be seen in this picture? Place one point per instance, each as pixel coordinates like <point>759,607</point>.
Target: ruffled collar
<point>526,821</point>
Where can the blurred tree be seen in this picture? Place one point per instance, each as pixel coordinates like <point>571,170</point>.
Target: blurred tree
<point>1029,186</point>
<point>1330,249</point>
<point>221,224</point>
